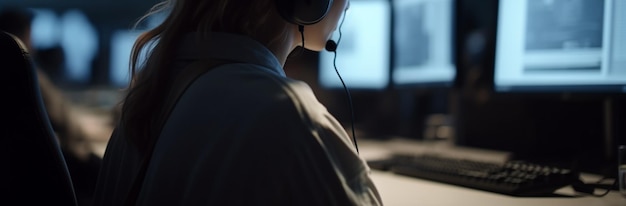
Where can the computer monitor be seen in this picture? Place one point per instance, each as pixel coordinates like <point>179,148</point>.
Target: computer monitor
<point>363,52</point>
<point>122,42</point>
<point>423,43</point>
<point>561,46</point>
<point>70,36</point>
<point>79,39</point>
<point>45,31</point>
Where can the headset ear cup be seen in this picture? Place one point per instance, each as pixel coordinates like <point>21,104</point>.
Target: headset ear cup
<point>285,9</point>
<point>303,12</point>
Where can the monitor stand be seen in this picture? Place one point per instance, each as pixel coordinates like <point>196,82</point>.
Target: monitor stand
<point>613,134</point>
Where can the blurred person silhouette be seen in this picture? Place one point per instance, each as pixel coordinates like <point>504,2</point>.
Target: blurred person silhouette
<point>242,132</point>
<point>82,162</point>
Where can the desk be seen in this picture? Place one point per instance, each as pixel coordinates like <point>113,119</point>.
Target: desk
<point>399,190</point>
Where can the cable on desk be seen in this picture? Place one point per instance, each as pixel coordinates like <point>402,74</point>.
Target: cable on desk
<point>590,188</point>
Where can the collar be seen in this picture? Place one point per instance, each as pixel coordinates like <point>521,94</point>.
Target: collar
<point>227,46</point>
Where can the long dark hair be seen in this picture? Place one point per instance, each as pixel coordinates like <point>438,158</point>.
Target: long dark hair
<point>151,79</point>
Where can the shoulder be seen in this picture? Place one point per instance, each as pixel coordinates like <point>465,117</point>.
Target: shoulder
<point>259,85</point>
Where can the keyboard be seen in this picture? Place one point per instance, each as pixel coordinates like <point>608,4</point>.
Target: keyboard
<point>515,178</point>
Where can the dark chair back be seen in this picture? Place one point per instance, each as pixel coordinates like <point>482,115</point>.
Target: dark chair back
<point>37,172</point>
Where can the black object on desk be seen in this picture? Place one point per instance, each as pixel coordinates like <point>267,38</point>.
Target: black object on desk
<point>511,178</point>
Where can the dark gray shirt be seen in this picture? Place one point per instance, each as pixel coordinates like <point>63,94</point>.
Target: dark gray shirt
<point>242,134</point>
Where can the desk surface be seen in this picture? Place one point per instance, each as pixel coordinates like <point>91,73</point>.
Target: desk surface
<point>399,190</point>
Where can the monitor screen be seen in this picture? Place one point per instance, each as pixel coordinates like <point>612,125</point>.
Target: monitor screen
<point>45,31</point>
<point>79,38</point>
<point>423,42</point>
<point>561,46</point>
<point>363,52</point>
<point>122,42</point>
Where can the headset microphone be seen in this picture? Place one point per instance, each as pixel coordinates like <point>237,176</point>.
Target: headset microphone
<point>331,46</point>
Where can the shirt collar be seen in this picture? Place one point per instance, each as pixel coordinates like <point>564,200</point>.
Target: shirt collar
<point>228,46</point>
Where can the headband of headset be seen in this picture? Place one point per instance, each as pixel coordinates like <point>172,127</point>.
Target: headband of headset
<point>303,12</point>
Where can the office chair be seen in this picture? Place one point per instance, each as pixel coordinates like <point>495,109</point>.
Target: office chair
<point>37,172</point>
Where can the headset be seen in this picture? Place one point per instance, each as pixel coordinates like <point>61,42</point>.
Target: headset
<point>303,12</point>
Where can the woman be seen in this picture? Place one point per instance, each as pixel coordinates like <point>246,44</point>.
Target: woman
<point>242,133</point>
